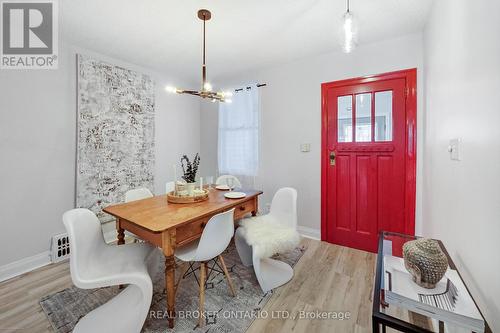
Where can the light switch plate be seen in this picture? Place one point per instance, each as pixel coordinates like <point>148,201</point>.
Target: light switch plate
<point>454,149</point>
<point>305,147</point>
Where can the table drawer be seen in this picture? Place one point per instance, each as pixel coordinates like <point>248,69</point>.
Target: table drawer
<point>190,231</point>
<point>193,230</point>
<point>243,209</point>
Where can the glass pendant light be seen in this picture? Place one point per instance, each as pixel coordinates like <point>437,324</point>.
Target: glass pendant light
<point>349,31</point>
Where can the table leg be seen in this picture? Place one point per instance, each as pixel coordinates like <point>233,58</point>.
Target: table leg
<point>170,286</point>
<point>121,233</point>
<point>168,251</point>
<point>121,240</point>
<point>256,206</point>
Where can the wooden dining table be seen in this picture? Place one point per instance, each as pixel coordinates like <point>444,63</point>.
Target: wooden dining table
<point>172,225</point>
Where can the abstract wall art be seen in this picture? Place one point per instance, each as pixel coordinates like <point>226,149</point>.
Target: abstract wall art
<point>115,134</point>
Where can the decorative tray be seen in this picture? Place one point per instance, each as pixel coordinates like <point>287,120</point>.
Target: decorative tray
<point>184,199</point>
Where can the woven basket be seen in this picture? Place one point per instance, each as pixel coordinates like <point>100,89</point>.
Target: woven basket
<point>425,261</point>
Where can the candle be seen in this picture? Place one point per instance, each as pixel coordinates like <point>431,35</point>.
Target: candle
<point>175,179</point>
<point>201,183</point>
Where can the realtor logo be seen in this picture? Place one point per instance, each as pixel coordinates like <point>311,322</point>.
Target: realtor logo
<point>29,34</point>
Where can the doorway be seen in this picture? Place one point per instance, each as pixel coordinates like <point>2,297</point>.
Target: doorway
<point>368,177</point>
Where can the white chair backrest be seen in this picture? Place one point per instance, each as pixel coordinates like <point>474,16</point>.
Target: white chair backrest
<point>169,187</point>
<point>216,236</point>
<point>222,181</point>
<point>85,241</point>
<point>284,206</point>
<point>138,194</point>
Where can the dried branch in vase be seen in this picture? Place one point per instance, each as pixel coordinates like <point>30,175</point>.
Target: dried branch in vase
<point>189,168</point>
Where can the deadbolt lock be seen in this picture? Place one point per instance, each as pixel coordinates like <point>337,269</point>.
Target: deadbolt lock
<point>332,158</point>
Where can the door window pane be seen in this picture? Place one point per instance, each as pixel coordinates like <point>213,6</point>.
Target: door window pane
<point>344,121</point>
<point>364,117</point>
<point>383,116</point>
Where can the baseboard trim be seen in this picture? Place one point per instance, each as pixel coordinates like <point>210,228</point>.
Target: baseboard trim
<point>309,232</point>
<point>28,264</point>
<point>24,265</point>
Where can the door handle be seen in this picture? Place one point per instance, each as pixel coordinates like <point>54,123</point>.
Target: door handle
<point>332,157</point>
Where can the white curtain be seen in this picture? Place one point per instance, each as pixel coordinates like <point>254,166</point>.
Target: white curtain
<point>239,129</point>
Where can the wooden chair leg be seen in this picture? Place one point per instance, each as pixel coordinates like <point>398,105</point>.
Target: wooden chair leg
<point>228,278</point>
<point>182,272</point>
<point>201,321</point>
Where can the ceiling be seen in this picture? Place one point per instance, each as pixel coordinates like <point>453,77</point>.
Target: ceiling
<point>165,35</point>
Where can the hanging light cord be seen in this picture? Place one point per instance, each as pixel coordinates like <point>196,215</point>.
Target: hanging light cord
<point>204,67</point>
<point>347,6</point>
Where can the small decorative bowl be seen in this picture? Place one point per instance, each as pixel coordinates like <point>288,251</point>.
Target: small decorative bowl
<point>425,261</point>
<point>197,192</point>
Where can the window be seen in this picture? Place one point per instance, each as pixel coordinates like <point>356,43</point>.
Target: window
<point>381,124</point>
<point>364,117</point>
<point>383,116</point>
<point>238,142</point>
<point>344,121</point>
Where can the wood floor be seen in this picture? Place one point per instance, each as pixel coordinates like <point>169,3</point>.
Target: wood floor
<point>328,278</point>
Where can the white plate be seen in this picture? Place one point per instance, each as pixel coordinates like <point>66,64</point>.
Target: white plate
<point>222,187</point>
<point>235,195</point>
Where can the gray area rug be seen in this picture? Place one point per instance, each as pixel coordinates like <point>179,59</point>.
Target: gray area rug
<point>224,313</point>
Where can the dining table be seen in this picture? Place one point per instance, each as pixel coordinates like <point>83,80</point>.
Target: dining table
<point>173,225</point>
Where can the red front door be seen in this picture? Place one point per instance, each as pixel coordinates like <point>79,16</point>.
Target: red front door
<point>368,173</point>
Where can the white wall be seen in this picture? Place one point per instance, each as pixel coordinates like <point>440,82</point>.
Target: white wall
<point>291,115</point>
<point>462,199</point>
<point>209,124</point>
<point>37,149</point>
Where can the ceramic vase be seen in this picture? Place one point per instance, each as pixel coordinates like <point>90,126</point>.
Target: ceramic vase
<point>425,261</point>
<point>190,188</point>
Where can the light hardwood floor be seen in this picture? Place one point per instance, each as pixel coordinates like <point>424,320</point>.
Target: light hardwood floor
<point>327,278</point>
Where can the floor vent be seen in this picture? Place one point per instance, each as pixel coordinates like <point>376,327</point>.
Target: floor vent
<point>60,247</point>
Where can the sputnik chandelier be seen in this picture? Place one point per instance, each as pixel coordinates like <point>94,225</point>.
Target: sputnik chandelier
<point>206,87</point>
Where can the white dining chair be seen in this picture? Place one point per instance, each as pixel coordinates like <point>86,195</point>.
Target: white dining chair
<point>133,195</point>
<point>169,187</point>
<point>137,194</point>
<point>214,240</point>
<point>94,264</point>
<point>258,238</point>
<point>222,180</point>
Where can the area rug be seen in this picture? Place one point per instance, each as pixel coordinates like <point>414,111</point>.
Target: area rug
<point>224,313</point>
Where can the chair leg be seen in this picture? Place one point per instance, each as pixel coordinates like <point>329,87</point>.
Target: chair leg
<point>201,321</point>
<point>228,278</point>
<point>183,271</point>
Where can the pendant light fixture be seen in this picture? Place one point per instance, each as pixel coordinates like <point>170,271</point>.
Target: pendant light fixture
<point>206,87</point>
<point>349,31</point>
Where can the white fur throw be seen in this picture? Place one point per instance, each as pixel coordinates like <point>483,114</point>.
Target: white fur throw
<point>268,236</point>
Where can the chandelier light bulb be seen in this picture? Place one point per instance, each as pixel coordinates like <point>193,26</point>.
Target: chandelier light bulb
<point>207,86</point>
<point>228,93</point>
<point>171,89</point>
<point>228,101</point>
